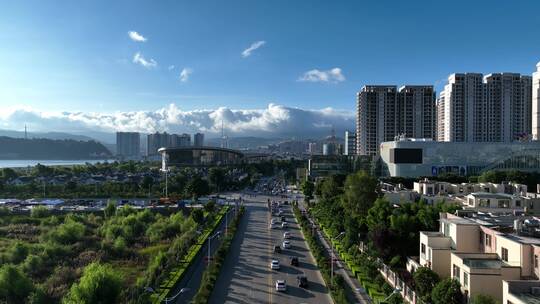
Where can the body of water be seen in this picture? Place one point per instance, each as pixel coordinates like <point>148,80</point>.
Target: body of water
<point>13,163</point>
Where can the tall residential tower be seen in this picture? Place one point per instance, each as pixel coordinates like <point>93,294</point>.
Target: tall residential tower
<point>198,139</point>
<point>384,112</point>
<point>128,145</point>
<point>491,108</point>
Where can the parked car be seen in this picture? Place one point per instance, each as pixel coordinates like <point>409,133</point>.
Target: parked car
<point>281,285</point>
<point>274,265</point>
<point>277,249</point>
<point>294,261</point>
<point>284,225</point>
<point>283,219</point>
<point>302,281</point>
<point>286,235</point>
<point>286,244</point>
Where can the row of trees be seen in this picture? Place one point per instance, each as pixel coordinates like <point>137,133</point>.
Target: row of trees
<point>390,232</point>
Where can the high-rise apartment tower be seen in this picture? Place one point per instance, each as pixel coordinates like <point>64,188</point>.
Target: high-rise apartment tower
<point>384,112</point>
<point>198,139</point>
<point>491,108</point>
<point>128,145</point>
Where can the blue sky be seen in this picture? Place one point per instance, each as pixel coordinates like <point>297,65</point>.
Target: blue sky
<point>77,56</point>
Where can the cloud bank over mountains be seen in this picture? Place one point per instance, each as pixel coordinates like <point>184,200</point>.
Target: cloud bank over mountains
<point>274,120</point>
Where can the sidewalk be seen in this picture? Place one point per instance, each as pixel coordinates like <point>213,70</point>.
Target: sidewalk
<point>357,290</point>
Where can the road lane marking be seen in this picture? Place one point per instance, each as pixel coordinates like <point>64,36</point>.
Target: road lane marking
<point>268,218</point>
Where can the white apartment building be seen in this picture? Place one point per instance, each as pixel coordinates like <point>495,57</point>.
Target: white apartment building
<point>536,103</point>
<point>492,108</point>
<point>384,112</point>
<point>350,143</point>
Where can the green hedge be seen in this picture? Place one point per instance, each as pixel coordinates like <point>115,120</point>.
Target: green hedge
<point>338,289</point>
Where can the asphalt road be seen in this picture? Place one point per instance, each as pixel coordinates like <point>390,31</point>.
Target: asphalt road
<point>246,276</point>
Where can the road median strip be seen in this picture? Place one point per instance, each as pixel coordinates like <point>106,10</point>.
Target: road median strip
<point>176,273</point>
<point>337,290</point>
<point>211,273</point>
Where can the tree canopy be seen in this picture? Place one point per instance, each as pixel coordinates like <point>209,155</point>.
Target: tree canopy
<point>448,291</point>
<point>99,284</point>
<point>15,287</point>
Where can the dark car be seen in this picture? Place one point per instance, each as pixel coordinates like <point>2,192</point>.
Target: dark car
<point>283,219</point>
<point>277,249</point>
<point>294,261</point>
<point>302,281</point>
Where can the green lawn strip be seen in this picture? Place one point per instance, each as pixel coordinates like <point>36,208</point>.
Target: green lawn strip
<point>176,273</point>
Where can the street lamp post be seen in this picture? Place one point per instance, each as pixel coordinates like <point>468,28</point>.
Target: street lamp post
<point>395,291</point>
<point>209,244</point>
<point>333,256</point>
<point>226,220</point>
<point>183,290</point>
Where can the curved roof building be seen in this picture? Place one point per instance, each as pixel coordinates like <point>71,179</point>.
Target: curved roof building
<point>200,156</point>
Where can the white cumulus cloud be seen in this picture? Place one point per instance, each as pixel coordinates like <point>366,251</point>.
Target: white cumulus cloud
<point>274,120</point>
<point>315,75</point>
<point>171,67</point>
<point>255,45</point>
<point>184,75</point>
<point>139,59</point>
<point>136,36</point>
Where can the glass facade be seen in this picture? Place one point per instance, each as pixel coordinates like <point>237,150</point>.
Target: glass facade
<point>209,156</point>
<point>461,158</point>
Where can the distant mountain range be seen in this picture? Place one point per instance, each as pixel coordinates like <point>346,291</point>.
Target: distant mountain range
<point>48,135</point>
<point>109,139</point>
<point>51,149</point>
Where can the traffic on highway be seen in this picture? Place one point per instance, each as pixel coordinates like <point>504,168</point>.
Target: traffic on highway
<point>270,261</point>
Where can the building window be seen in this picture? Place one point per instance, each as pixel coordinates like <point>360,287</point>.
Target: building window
<point>446,229</point>
<point>518,203</point>
<point>504,253</point>
<point>504,203</point>
<point>535,261</point>
<point>484,203</point>
<point>465,279</point>
<point>456,272</point>
<point>488,240</point>
<point>423,248</point>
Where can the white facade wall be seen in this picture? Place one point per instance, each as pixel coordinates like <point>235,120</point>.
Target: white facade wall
<point>536,103</point>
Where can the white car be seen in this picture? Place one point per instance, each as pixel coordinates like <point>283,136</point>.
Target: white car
<point>284,225</point>
<point>287,235</point>
<point>273,221</point>
<point>274,265</point>
<point>281,285</point>
<point>286,244</point>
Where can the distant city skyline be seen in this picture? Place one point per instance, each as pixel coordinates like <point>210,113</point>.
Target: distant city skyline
<point>186,66</point>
